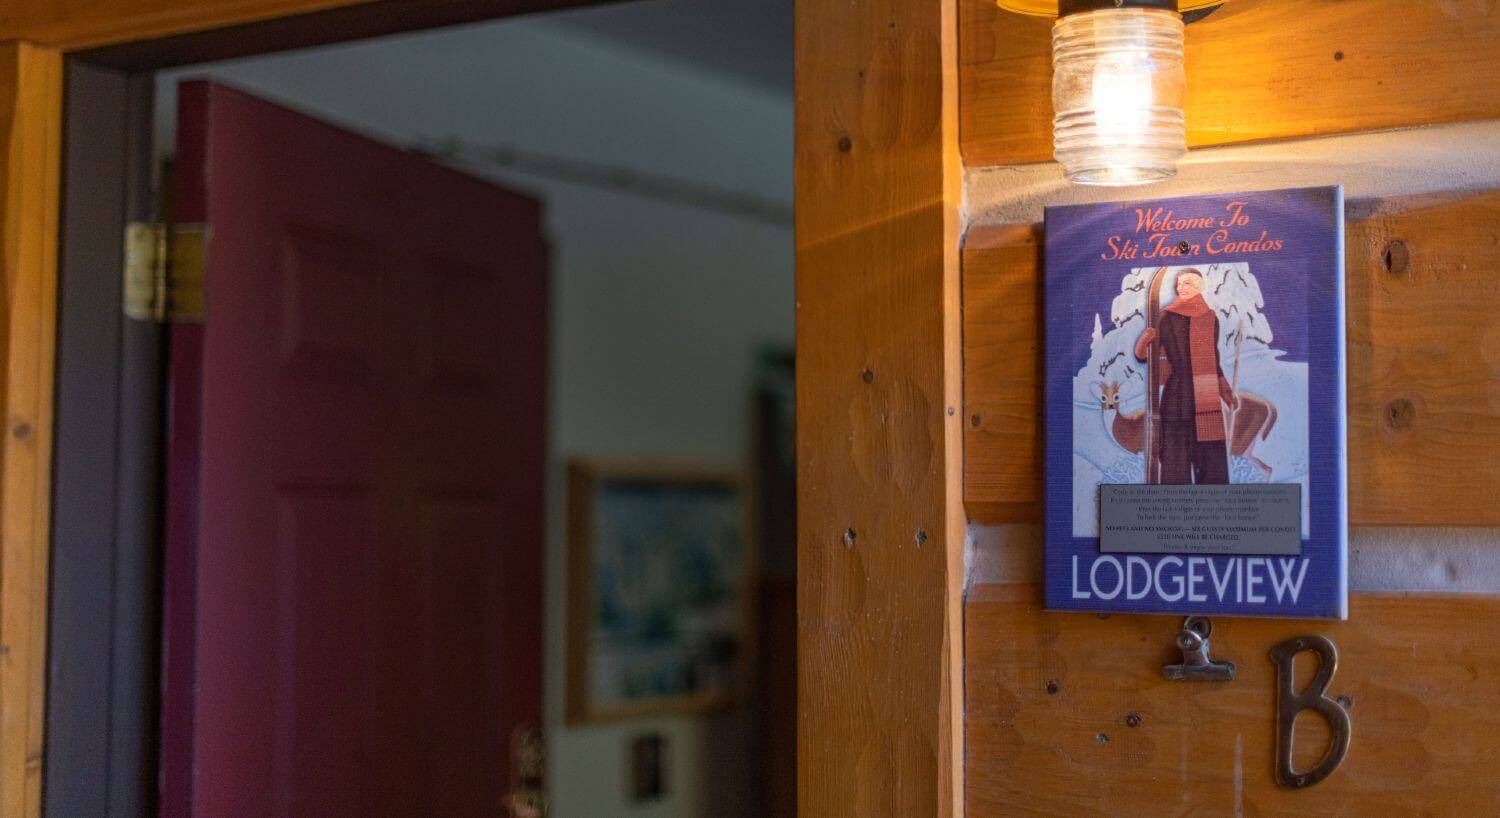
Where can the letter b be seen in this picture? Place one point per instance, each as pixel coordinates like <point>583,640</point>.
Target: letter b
<point>1290,703</point>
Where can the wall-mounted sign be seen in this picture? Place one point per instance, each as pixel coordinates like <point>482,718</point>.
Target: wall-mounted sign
<point>1195,405</point>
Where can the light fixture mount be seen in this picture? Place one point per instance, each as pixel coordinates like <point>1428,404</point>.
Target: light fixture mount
<point>1059,8</point>
<point>1067,7</point>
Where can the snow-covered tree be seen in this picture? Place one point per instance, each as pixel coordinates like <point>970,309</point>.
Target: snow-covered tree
<point>1233,292</point>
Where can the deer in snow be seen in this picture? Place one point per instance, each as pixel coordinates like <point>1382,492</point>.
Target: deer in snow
<point>1127,429</point>
<point>1251,423</point>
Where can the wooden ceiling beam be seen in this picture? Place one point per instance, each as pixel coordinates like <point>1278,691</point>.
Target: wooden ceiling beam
<point>79,24</point>
<point>158,33</point>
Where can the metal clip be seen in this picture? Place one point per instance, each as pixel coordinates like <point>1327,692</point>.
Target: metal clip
<point>1196,666</point>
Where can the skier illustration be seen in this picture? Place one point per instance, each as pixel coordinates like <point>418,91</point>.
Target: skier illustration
<point>1185,431</point>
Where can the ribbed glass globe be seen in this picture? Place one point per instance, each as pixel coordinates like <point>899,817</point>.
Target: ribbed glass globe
<point>1117,90</point>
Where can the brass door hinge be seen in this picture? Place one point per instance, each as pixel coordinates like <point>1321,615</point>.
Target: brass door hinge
<point>164,271</point>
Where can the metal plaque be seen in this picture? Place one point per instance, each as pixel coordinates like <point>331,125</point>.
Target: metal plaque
<point>1243,518</point>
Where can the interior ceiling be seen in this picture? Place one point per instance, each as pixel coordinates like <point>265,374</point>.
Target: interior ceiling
<point>748,39</point>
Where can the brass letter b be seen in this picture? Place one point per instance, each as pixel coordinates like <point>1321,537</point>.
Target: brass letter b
<point>1290,703</point>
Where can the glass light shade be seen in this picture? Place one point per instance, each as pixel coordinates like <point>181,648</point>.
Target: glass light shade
<point>1117,89</point>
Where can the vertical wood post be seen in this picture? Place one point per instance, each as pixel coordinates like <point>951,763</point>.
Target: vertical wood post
<point>880,522</point>
<point>31,91</point>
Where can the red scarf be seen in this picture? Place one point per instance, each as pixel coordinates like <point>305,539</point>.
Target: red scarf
<point>1203,346</point>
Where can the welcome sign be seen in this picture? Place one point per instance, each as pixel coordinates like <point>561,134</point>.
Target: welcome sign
<point>1194,377</point>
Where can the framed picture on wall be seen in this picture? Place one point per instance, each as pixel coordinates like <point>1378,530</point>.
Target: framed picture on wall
<point>660,608</point>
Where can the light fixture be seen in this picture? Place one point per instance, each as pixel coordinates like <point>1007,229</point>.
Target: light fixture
<point>1117,86</point>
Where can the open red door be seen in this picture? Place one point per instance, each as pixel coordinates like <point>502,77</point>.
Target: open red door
<point>354,548</point>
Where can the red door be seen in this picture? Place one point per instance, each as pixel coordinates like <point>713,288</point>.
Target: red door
<point>353,613</point>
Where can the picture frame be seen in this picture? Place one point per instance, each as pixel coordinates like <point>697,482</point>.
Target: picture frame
<point>661,581</point>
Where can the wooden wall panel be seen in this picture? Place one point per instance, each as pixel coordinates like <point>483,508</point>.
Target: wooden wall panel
<point>879,517</point>
<point>1003,434</point>
<point>1257,69</point>
<point>1424,364</point>
<point>1068,714</point>
<point>31,91</point>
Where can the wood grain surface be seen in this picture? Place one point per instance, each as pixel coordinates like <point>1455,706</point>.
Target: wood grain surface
<point>31,94</point>
<point>76,24</point>
<point>1003,434</point>
<point>1256,69</point>
<point>879,518</point>
<point>1068,714</point>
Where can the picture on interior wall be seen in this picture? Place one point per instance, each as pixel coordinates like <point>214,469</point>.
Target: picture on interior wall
<point>1195,437</point>
<point>1253,404</point>
<point>659,572</point>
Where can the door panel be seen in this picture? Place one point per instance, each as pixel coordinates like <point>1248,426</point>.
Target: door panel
<point>354,572</point>
<point>326,641</point>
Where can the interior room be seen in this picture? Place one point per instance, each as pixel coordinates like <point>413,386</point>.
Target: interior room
<point>655,142</point>
<point>911,408</point>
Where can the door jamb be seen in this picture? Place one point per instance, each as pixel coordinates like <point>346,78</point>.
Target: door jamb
<point>104,596</point>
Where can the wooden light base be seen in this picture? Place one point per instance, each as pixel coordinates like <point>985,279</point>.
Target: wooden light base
<point>1423,358</point>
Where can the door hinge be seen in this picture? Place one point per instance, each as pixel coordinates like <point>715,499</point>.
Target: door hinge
<point>164,271</point>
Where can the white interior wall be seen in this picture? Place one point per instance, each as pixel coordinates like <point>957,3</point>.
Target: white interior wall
<point>1407,162</point>
<point>657,308</point>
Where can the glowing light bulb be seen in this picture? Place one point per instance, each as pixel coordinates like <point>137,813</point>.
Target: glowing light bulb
<point>1122,95</point>
<point>1117,88</point>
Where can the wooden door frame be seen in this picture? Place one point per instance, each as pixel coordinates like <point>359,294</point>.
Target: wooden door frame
<point>880,522</point>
